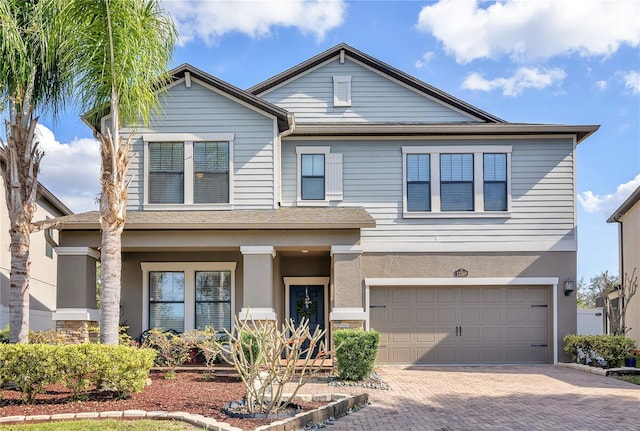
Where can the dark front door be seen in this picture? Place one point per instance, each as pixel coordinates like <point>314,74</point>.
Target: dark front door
<point>307,302</point>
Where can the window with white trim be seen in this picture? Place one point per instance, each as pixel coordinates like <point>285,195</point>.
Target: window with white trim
<point>456,181</point>
<point>319,176</point>
<point>188,295</point>
<point>188,170</point>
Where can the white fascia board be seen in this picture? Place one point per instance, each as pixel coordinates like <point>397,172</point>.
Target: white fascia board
<point>346,249</point>
<point>187,137</point>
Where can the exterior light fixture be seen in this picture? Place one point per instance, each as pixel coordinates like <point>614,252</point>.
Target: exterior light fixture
<point>569,286</point>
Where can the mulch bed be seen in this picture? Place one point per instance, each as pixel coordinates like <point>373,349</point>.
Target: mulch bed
<point>189,392</point>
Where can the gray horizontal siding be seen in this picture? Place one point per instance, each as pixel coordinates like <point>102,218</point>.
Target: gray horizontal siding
<point>201,110</point>
<point>542,192</point>
<point>374,98</point>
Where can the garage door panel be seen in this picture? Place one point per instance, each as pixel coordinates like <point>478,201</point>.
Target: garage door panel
<point>495,324</point>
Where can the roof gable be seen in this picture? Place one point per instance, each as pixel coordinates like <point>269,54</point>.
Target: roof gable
<point>343,51</point>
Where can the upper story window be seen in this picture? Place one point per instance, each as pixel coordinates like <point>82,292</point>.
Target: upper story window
<point>457,181</point>
<point>312,176</point>
<point>418,182</point>
<point>495,182</point>
<point>182,171</point>
<point>319,176</point>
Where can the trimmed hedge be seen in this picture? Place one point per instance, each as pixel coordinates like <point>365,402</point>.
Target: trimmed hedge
<point>356,352</point>
<point>607,351</point>
<point>31,367</point>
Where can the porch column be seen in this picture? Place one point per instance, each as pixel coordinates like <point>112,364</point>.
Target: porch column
<point>347,306</point>
<point>76,311</point>
<point>257,285</point>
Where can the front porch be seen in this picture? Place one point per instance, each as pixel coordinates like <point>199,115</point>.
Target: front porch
<point>185,279</point>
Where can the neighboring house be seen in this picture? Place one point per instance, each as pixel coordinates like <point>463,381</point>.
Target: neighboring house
<point>44,262</point>
<point>628,219</point>
<point>350,192</point>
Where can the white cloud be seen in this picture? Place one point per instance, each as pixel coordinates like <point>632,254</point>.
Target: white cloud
<point>70,171</point>
<point>607,204</point>
<point>632,81</point>
<point>602,85</point>
<point>532,29</point>
<point>523,78</point>
<point>425,60</point>
<point>210,20</point>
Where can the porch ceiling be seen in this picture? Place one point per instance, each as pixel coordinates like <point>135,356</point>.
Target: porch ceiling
<point>281,218</point>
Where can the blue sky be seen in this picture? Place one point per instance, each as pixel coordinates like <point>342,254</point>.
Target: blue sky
<point>569,62</point>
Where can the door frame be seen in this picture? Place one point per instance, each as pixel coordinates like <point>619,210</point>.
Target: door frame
<point>308,281</point>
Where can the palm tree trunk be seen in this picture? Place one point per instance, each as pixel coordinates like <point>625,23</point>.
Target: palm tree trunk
<point>19,285</point>
<point>113,206</point>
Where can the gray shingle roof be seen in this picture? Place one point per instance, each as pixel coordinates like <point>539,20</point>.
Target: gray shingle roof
<point>281,218</point>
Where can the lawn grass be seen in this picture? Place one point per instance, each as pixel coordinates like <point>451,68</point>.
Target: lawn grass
<point>103,425</point>
<point>631,379</point>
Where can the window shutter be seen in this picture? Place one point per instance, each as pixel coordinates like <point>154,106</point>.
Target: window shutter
<point>341,91</point>
<point>334,177</point>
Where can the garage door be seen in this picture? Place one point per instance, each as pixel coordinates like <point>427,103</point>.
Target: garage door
<point>461,325</point>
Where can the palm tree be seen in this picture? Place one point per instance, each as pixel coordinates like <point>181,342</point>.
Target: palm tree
<point>35,73</point>
<point>122,48</point>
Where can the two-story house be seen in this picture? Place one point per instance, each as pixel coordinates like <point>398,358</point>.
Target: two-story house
<point>348,192</point>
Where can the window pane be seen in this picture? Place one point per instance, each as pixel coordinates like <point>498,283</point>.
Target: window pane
<point>456,196</point>
<point>418,197</point>
<point>213,286</point>
<point>214,314</point>
<point>167,316</point>
<point>418,167</point>
<point>495,196</point>
<point>211,172</point>
<point>456,167</point>
<point>166,286</point>
<point>495,167</point>
<point>166,173</point>
<point>312,165</point>
<point>312,188</point>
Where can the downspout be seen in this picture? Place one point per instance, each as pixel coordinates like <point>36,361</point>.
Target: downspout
<point>291,119</point>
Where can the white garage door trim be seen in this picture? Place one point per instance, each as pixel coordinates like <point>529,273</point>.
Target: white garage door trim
<point>499,281</point>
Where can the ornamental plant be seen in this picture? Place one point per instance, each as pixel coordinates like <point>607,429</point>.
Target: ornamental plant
<point>608,351</point>
<point>267,357</point>
<point>356,352</point>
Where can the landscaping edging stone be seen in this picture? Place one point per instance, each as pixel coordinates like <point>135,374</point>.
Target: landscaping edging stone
<point>338,406</point>
<point>621,371</point>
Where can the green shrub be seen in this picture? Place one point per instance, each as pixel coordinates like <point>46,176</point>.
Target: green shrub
<point>608,351</point>
<point>49,336</point>
<point>31,367</point>
<point>4,335</point>
<point>123,369</point>
<point>172,350</point>
<point>356,352</point>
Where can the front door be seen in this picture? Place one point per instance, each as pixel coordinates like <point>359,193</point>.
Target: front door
<point>307,301</point>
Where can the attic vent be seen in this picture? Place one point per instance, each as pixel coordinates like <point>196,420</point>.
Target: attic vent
<point>341,91</point>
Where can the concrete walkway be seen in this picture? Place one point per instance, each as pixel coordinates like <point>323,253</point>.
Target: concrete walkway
<point>528,398</point>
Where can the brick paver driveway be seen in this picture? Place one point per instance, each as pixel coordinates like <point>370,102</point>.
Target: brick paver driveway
<point>534,397</point>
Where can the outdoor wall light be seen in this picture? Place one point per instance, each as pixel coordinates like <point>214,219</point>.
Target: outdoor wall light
<point>569,286</point>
